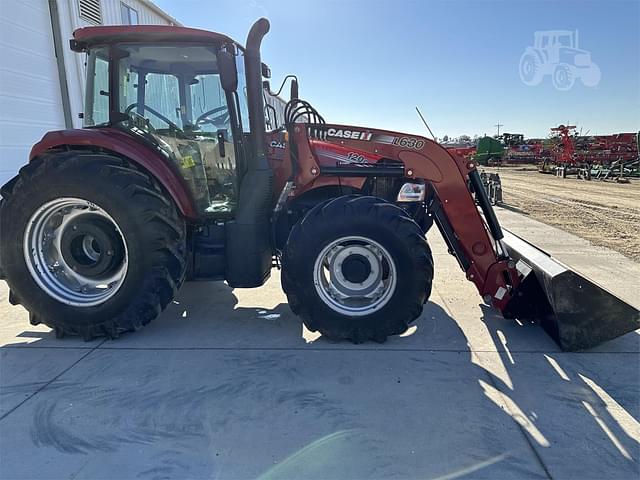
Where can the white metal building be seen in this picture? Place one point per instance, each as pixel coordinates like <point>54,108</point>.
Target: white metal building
<point>42,91</point>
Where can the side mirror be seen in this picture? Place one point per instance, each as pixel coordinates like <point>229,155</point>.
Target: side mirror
<point>294,89</point>
<point>228,71</point>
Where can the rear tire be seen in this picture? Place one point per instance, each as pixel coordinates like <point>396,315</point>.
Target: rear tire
<point>377,266</point>
<point>530,68</point>
<point>142,222</point>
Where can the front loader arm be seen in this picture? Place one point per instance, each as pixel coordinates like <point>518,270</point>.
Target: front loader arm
<point>474,242</point>
<point>519,279</point>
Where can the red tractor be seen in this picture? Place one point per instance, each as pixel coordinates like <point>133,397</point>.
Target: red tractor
<point>174,177</point>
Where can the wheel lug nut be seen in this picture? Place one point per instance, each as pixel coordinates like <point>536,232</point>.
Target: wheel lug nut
<point>74,228</point>
<point>110,253</point>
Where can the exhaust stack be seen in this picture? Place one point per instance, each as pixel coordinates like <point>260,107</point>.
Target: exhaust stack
<point>248,244</point>
<point>253,70</point>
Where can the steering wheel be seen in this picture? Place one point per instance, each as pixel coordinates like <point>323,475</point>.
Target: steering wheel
<point>155,112</point>
<point>220,121</point>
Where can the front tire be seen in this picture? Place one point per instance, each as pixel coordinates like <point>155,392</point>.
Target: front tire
<point>563,77</point>
<point>590,77</point>
<point>357,268</point>
<point>91,246</point>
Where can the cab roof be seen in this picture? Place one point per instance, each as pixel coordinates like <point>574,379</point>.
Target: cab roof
<point>84,38</point>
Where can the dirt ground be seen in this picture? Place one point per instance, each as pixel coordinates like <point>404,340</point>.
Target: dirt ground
<point>605,213</point>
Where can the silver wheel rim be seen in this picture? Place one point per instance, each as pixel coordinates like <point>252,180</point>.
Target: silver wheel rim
<point>347,295</point>
<point>75,252</point>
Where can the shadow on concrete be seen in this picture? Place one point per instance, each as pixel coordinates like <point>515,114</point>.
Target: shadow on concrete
<point>212,315</point>
<point>218,387</point>
<point>372,411</point>
<point>586,399</point>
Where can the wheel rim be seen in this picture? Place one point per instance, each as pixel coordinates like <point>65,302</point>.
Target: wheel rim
<point>355,276</point>
<point>75,251</point>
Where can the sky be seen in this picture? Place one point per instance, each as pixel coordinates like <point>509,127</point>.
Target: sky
<point>371,62</point>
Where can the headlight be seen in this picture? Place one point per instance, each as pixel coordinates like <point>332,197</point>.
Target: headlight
<point>411,192</point>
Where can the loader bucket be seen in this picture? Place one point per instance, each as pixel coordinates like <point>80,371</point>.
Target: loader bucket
<point>575,312</point>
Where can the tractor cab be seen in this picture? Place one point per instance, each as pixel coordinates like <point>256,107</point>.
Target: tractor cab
<point>184,96</point>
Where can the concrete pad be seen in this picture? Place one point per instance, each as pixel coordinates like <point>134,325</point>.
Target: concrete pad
<point>581,422</point>
<point>477,321</point>
<point>247,414</point>
<point>23,373</point>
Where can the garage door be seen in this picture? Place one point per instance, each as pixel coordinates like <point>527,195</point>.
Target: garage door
<point>30,102</point>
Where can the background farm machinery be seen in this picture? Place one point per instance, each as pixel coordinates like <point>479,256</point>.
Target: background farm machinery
<point>598,157</point>
<point>564,152</point>
<point>601,157</point>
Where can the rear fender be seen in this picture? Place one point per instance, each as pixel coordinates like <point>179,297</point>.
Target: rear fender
<point>115,141</point>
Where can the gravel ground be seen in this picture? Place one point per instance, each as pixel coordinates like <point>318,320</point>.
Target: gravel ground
<point>605,213</point>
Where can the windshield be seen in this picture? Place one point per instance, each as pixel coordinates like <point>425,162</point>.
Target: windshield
<point>165,88</point>
<point>173,88</point>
